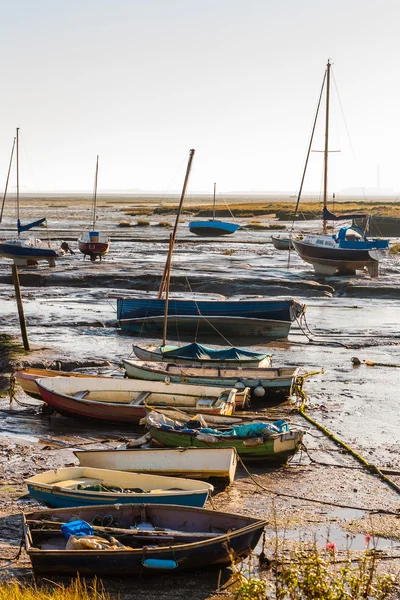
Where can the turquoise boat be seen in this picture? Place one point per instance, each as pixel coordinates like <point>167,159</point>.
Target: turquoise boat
<point>270,383</point>
<point>84,486</point>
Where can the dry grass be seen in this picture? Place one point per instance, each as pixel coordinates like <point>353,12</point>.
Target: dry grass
<point>125,224</point>
<point>165,224</point>
<point>77,590</point>
<point>142,223</point>
<point>395,249</point>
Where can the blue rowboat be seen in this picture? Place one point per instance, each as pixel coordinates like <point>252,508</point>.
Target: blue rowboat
<point>212,228</point>
<point>166,539</point>
<point>84,486</point>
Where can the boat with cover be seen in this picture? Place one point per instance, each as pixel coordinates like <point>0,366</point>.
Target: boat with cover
<point>349,250</point>
<point>26,251</point>
<point>94,243</point>
<point>26,378</point>
<point>212,227</point>
<point>273,443</point>
<point>86,486</point>
<point>156,538</point>
<point>198,354</point>
<point>196,463</point>
<point>269,382</point>
<point>126,400</point>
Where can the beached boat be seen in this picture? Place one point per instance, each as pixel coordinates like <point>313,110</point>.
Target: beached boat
<point>282,242</point>
<point>85,486</point>
<point>26,251</point>
<point>212,227</point>
<point>196,463</point>
<point>126,400</point>
<point>94,243</point>
<point>250,319</point>
<point>26,378</point>
<point>269,382</point>
<point>349,250</point>
<point>273,443</point>
<point>163,538</point>
<point>199,354</point>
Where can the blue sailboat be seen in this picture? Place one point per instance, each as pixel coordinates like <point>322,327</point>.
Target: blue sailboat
<point>349,250</point>
<point>212,227</point>
<point>31,250</point>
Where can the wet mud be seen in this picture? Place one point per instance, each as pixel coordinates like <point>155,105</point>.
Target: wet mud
<point>71,318</point>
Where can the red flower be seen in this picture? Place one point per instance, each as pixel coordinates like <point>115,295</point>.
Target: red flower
<point>367,538</point>
<point>331,546</point>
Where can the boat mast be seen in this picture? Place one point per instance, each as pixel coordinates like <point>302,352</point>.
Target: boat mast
<point>95,192</point>
<point>213,218</point>
<point>17,157</point>
<point>8,177</point>
<point>173,235</point>
<point>326,149</point>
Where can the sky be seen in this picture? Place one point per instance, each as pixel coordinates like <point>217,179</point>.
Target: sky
<point>140,82</point>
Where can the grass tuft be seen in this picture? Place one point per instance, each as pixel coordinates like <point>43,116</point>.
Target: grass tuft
<point>78,589</point>
<point>143,223</point>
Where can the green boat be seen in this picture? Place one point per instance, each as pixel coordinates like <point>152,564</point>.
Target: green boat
<point>275,449</point>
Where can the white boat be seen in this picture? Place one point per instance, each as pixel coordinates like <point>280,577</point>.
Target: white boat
<point>282,242</point>
<point>196,463</point>
<point>127,400</point>
<point>83,486</point>
<point>272,382</point>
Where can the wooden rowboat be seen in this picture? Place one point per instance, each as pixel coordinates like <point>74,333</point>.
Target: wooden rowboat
<point>83,486</point>
<point>181,539</point>
<point>26,378</point>
<point>276,449</point>
<point>282,242</point>
<point>196,463</point>
<point>126,400</point>
<point>273,383</point>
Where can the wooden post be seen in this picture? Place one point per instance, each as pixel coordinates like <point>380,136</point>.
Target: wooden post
<point>20,306</point>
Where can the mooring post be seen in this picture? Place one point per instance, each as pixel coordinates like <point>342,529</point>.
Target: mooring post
<point>20,306</point>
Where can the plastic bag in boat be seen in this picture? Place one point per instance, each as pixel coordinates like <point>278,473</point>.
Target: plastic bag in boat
<point>155,419</point>
<point>252,430</point>
<point>94,542</point>
<point>206,437</point>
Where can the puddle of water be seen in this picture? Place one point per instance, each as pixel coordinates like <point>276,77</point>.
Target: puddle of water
<point>343,540</point>
<point>10,433</point>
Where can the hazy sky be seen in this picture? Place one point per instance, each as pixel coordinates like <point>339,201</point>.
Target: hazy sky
<point>140,82</point>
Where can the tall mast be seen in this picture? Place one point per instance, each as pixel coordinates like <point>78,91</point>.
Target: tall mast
<point>326,149</point>
<point>17,156</point>
<point>7,180</point>
<point>95,192</point>
<point>173,235</point>
<point>214,203</point>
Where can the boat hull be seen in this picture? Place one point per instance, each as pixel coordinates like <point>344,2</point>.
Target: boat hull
<point>210,328</point>
<point>93,248</point>
<point>196,463</point>
<point>212,228</point>
<point>330,260</point>
<point>22,254</point>
<point>275,450</point>
<point>242,537</point>
<point>277,383</point>
<point>282,243</point>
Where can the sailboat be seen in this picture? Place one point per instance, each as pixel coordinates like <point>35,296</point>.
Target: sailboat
<point>212,227</point>
<point>262,319</point>
<point>349,250</point>
<point>94,243</point>
<point>25,251</point>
